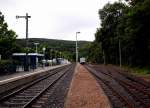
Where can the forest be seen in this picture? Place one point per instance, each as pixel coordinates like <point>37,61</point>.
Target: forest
<point>124,33</point>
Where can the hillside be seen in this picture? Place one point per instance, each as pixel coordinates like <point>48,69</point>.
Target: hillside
<point>59,45</point>
<point>52,43</point>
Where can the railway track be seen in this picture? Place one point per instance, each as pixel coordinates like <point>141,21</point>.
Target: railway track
<point>18,88</point>
<point>28,95</point>
<point>138,81</point>
<point>139,89</point>
<point>123,92</point>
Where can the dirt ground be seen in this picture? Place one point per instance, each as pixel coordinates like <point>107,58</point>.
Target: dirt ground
<point>146,78</point>
<point>85,92</point>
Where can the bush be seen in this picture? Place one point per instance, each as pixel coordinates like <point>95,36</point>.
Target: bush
<point>7,66</point>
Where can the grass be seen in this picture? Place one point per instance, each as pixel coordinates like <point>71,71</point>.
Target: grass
<point>145,71</point>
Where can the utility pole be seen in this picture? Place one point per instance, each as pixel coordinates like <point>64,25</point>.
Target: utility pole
<point>120,53</point>
<point>119,14</point>
<point>77,47</point>
<point>26,17</point>
<point>104,57</point>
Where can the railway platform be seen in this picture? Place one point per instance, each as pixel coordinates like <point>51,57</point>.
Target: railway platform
<point>9,82</point>
<point>18,75</point>
<point>85,92</point>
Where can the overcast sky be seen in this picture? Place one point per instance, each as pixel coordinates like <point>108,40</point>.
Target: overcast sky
<point>54,19</point>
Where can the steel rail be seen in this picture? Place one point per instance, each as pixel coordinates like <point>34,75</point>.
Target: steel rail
<point>125,84</point>
<point>36,82</point>
<point>27,86</point>
<point>39,94</point>
<point>130,104</point>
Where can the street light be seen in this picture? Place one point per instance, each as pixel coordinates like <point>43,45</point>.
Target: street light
<point>55,54</point>
<point>44,51</point>
<point>51,51</point>
<point>44,61</point>
<point>77,47</point>
<point>37,54</point>
<point>36,51</point>
<point>26,17</point>
<point>60,54</point>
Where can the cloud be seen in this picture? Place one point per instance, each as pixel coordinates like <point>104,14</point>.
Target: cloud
<point>58,19</point>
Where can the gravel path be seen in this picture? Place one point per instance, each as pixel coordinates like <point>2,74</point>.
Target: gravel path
<point>85,92</point>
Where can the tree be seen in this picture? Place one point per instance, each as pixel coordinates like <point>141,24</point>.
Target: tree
<point>7,39</point>
<point>95,53</point>
<point>130,25</point>
<point>107,34</point>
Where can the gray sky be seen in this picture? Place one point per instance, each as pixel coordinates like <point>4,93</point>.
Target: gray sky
<point>54,19</point>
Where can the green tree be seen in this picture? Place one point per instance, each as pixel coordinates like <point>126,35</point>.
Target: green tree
<point>138,29</point>
<point>107,34</point>
<point>130,25</point>
<point>95,53</point>
<point>7,39</point>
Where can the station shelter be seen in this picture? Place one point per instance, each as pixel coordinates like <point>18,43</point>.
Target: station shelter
<point>34,60</point>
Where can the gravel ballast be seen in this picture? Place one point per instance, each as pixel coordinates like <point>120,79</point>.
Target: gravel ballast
<point>85,92</point>
<point>59,91</point>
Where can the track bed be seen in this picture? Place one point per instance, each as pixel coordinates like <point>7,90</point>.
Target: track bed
<point>123,90</point>
<point>37,94</point>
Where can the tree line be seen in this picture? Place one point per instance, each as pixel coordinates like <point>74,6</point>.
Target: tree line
<point>124,25</point>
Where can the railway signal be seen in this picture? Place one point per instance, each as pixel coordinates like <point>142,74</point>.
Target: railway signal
<point>26,17</point>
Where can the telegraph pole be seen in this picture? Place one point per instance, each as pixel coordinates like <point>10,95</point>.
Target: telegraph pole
<point>119,14</point>
<point>26,17</point>
<point>104,57</point>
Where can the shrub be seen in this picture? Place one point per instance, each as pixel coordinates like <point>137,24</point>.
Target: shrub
<point>7,66</point>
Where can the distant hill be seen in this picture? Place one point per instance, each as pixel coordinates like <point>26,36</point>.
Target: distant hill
<point>52,43</point>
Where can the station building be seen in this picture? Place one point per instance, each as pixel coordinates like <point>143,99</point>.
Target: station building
<point>34,60</point>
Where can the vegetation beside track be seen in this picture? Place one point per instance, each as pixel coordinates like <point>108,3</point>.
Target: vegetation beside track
<point>123,35</point>
<point>143,72</point>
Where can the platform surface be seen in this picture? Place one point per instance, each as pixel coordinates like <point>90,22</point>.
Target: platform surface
<point>85,92</point>
<point>15,76</point>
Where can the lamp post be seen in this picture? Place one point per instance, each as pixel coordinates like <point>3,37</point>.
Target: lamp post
<point>44,56</point>
<point>77,47</point>
<point>55,54</point>
<point>60,54</point>
<point>26,17</point>
<point>51,56</point>
<point>36,47</point>
<point>36,51</point>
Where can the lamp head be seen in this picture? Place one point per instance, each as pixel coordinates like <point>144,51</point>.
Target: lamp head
<point>44,48</point>
<point>36,43</point>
